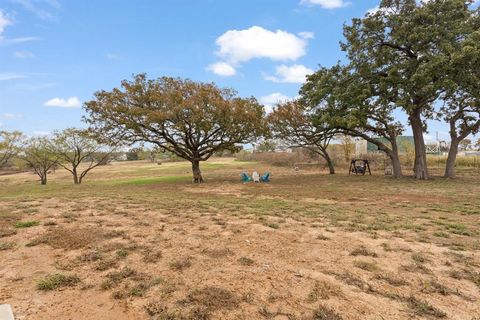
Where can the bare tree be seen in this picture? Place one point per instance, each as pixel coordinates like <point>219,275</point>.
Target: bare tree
<point>38,156</point>
<point>292,123</point>
<point>9,146</point>
<point>78,152</point>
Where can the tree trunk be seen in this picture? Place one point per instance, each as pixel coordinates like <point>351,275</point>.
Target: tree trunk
<point>396,165</point>
<point>197,174</point>
<point>43,179</point>
<point>420,167</point>
<point>329,161</point>
<point>452,157</point>
<point>75,176</point>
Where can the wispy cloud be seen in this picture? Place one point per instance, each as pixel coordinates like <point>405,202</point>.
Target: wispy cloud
<point>327,4</point>
<point>113,56</point>
<point>72,102</point>
<point>10,116</point>
<point>4,76</point>
<point>43,9</point>
<point>24,54</point>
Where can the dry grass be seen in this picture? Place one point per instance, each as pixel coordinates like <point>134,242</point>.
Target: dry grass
<point>148,244</point>
<point>71,238</point>
<point>323,290</point>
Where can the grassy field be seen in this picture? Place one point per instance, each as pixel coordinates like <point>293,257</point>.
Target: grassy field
<point>140,241</point>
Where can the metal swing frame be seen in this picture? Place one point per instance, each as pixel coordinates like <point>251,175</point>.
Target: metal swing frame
<point>355,169</point>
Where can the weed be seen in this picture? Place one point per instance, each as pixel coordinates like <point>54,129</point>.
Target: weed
<point>363,251</point>
<point>151,256</point>
<point>323,290</point>
<point>419,258</point>
<point>273,225</point>
<point>325,313</point>
<point>245,261</point>
<point>322,237</point>
<point>103,265</point>
<point>365,265</point>
<point>121,253</point>
<point>90,256</point>
<point>391,279</point>
<point>423,308</point>
<point>7,232</point>
<point>181,264</point>
<point>416,268</point>
<point>26,224</point>
<point>57,280</point>
<point>115,277</point>
<point>212,298</point>
<point>435,287</point>
<point>7,245</point>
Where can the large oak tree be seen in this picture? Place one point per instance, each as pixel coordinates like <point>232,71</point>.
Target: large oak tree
<point>193,120</point>
<point>346,101</point>
<point>406,48</point>
<point>461,108</point>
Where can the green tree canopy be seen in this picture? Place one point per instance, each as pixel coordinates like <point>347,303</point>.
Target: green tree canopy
<point>78,152</point>
<point>190,119</point>
<point>344,99</point>
<point>293,123</point>
<point>405,48</point>
<point>10,143</point>
<point>38,156</point>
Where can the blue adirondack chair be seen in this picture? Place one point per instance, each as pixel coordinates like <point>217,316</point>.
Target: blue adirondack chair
<point>245,177</point>
<point>265,177</point>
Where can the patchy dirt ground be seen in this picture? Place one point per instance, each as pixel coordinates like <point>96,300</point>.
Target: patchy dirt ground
<point>147,244</point>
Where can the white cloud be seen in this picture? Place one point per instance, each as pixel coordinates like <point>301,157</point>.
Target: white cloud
<point>72,102</point>
<point>269,101</point>
<point>4,22</point>
<point>24,55</point>
<point>113,56</point>
<point>222,69</point>
<point>296,73</point>
<point>4,76</point>
<point>307,34</point>
<point>236,46</point>
<point>327,4</point>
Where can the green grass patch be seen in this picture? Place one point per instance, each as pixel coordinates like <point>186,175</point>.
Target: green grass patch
<point>55,281</point>
<point>26,224</point>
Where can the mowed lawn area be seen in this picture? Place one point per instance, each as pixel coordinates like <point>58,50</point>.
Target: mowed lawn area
<point>139,241</point>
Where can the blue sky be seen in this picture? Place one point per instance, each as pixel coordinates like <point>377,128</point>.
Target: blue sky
<point>54,54</point>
